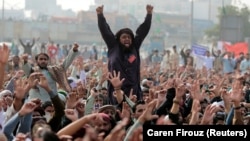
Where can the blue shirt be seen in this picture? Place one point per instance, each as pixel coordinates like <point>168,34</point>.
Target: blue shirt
<point>228,65</point>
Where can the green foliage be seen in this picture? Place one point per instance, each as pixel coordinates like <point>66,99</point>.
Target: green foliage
<point>213,32</point>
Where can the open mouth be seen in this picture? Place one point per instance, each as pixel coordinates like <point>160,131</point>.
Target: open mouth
<point>126,44</point>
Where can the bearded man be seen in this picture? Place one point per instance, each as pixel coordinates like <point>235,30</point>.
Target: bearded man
<point>124,53</point>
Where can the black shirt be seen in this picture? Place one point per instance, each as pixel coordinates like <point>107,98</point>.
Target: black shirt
<point>128,64</point>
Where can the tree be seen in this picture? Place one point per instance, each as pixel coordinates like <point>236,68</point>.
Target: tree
<point>214,32</point>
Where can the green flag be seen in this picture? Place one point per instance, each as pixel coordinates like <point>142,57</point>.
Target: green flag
<point>158,21</point>
<point>12,44</point>
<point>158,18</point>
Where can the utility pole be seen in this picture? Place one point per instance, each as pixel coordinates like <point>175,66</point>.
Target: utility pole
<point>191,22</point>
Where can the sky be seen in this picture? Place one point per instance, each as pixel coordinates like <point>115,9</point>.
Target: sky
<point>75,5</point>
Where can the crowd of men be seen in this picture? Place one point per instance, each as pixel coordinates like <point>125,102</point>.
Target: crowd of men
<point>74,94</point>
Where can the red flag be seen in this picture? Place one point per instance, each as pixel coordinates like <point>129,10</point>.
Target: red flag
<point>236,48</point>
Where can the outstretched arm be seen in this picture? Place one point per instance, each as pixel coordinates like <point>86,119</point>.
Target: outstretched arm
<point>213,53</point>
<point>71,56</point>
<point>21,42</point>
<point>182,52</point>
<point>33,42</point>
<point>143,29</point>
<point>104,28</point>
<point>5,52</point>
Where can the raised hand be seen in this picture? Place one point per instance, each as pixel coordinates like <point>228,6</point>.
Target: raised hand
<point>125,113</point>
<point>104,76</point>
<point>33,80</point>
<point>75,47</point>
<point>195,91</point>
<point>94,92</point>
<point>147,114</point>
<point>237,94</point>
<point>44,83</point>
<point>99,9</point>
<point>72,100</point>
<point>208,115</point>
<point>5,52</point>
<point>196,107</point>
<point>169,84</point>
<point>149,9</point>
<point>115,79</point>
<point>27,108</point>
<point>180,88</point>
<point>151,95</point>
<point>7,76</point>
<point>132,97</point>
<point>19,74</point>
<point>161,95</point>
<point>21,88</point>
<point>216,89</point>
<point>118,132</point>
<point>37,101</point>
<point>71,114</point>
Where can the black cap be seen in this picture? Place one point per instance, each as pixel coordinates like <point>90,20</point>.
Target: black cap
<point>124,30</point>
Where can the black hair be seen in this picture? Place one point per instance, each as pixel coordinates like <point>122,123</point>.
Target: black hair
<point>104,88</point>
<point>47,104</point>
<point>138,103</point>
<point>124,30</point>
<point>70,81</point>
<point>45,54</point>
<point>204,101</point>
<point>16,56</point>
<point>50,136</point>
<point>145,91</point>
<point>40,110</point>
<point>219,116</point>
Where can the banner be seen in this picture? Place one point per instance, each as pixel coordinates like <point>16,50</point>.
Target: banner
<point>236,48</point>
<point>199,49</point>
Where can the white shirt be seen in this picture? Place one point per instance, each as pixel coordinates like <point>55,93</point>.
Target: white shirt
<point>208,62</point>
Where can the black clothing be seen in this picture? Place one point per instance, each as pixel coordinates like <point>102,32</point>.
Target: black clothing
<point>28,47</point>
<point>126,62</point>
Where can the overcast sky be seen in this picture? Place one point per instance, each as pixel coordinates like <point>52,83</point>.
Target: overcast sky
<point>75,5</point>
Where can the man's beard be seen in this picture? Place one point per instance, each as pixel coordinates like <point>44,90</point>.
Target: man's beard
<point>42,67</point>
<point>126,49</point>
<point>16,64</point>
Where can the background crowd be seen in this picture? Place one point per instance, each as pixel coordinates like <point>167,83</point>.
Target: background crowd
<point>62,93</point>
